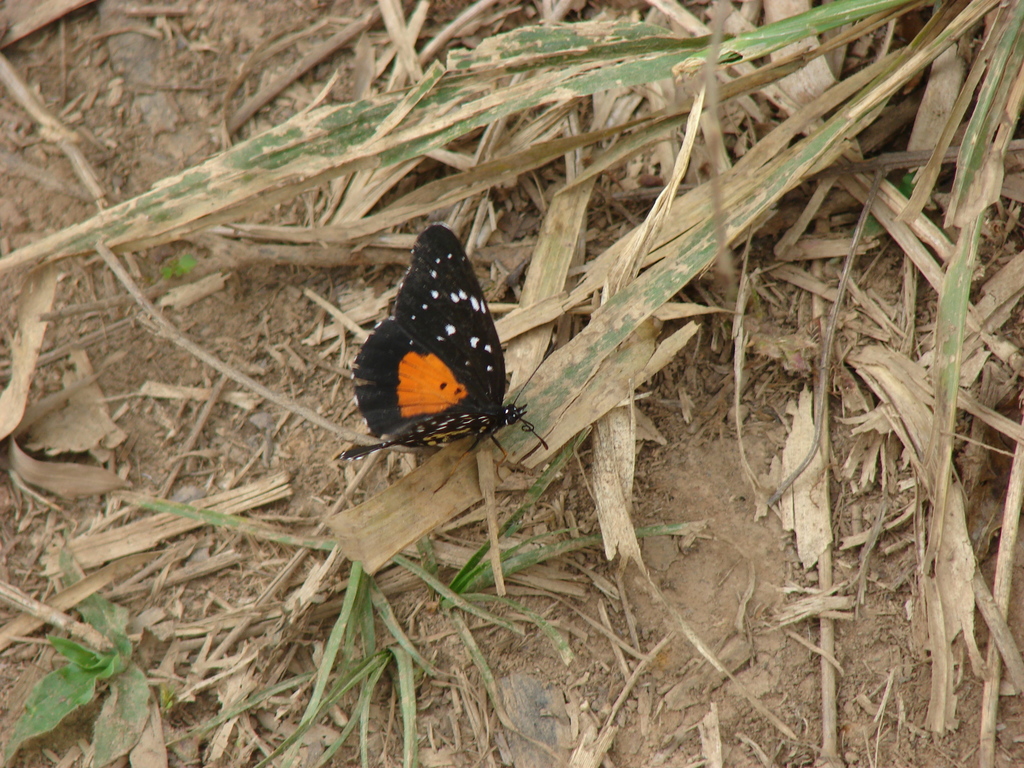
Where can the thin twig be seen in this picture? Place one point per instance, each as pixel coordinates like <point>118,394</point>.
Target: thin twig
<point>177,337</point>
<point>326,49</point>
<point>1002,583</point>
<point>892,161</point>
<point>827,339</point>
<point>24,603</point>
<point>52,129</point>
<point>1000,630</point>
<point>197,428</point>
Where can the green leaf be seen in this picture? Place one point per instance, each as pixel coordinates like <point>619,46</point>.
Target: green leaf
<point>114,664</point>
<point>123,717</point>
<point>54,697</point>
<point>390,621</point>
<point>109,620</point>
<point>178,267</point>
<point>99,664</point>
<point>340,633</point>
<point>86,658</point>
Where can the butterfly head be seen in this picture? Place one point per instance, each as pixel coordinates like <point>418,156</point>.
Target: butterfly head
<point>514,413</point>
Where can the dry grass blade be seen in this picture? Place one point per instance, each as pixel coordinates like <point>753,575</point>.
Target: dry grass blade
<point>558,397</point>
<point>614,454</point>
<point>804,507</point>
<point>949,557</point>
<point>557,246</point>
<point>322,144</point>
<point>982,154</point>
<point>93,549</point>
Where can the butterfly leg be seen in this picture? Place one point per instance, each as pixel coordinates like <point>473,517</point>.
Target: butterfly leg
<point>504,453</point>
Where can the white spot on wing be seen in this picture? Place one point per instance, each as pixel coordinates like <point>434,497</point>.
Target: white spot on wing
<point>473,341</point>
<point>462,295</point>
<point>475,303</point>
<point>454,297</point>
<point>449,329</point>
<point>433,274</point>
<point>487,348</point>
<point>435,295</point>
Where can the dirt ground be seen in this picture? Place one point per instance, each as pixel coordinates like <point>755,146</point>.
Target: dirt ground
<point>151,104</point>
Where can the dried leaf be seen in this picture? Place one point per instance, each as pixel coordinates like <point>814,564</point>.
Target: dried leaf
<point>69,481</point>
<point>614,457</point>
<point>83,424</point>
<point>36,298</point>
<point>803,509</point>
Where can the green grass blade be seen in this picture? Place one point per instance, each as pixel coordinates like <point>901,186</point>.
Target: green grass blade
<point>557,638</point>
<point>338,637</point>
<point>477,657</point>
<point>368,668</point>
<point>979,167</point>
<point>407,705</point>
<point>390,621</point>
<point>472,566</point>
<point>583,43</point>
<point>442,589</point>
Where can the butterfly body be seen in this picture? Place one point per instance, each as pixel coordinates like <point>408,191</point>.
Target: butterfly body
<point>433,371</point>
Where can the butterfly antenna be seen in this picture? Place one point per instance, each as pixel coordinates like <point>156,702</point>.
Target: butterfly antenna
<point>526,383</point>
<point>528,427</point>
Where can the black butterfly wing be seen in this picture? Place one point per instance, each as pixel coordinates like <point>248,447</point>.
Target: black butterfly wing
<point>434,369</point>
<point>376,371</point>
<point>441,306</point>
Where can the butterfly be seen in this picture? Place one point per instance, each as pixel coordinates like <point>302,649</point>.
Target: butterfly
<point>434,371</point>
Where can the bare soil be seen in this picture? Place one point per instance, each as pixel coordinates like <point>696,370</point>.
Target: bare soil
<point>151,105</point>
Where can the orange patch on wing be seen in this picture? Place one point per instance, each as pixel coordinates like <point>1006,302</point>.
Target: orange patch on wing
<point>426,386</point>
